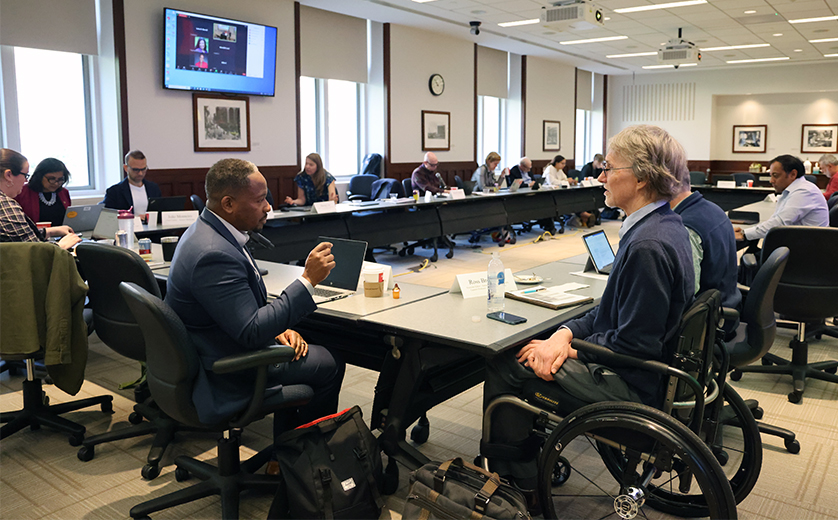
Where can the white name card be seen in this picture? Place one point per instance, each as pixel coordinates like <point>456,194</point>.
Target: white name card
<point>476,285</point>
<point>324,207</point>
<point>186,218</point>
<point>138,223</point>
<point>726,184</point>
<point>564,184</point>
<point>457,194</point>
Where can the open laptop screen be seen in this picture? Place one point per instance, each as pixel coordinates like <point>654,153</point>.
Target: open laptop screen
<point>599,249</point>
<point>349,258</point>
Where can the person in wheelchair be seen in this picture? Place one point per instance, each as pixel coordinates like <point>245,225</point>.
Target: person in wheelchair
<point>650,286</point>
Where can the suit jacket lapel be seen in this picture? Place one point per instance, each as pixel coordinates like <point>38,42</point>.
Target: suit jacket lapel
<point>208,217</point>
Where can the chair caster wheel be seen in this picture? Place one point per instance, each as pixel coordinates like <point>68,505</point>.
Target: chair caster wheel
<point>182,474</point>
<point>107,407</point>
<point>391,478</point>
<point>419,434</point>
<point>449,255</point>
<point>45,399</point>
<point>86,453</point>
<point>135,418</point>
<point>758,412</point>
<point>561,231</point>
<point>76,439</point>
<point>795,397</point>
<point>410,251</point>
<point>722,457</point>
<point>150,472</point>
<point>561,472</point>
<point>793,446</point>
<point>434,258</point>
<point>402,252</point>
<point>736,375</point>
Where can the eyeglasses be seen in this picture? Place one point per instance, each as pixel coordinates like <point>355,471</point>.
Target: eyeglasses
<point>139,170</point>
<point>53,180</point>
<point>608,169</point>
<point>432,165</point>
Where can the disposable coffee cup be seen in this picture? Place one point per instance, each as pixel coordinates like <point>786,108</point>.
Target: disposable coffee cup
<point>750,183</point>
<point>373,284</point>
<point>43,225</point>
<point>169,244</point>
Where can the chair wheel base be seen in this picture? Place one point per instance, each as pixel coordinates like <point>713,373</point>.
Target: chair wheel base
<point>182,474</point>
<point>150,472</point>
<point>86,453</point>
<point>135,418</point>
<point>736,375</point>
<point>795,397</point>
<point>76,439</point>
<point>793,446</point>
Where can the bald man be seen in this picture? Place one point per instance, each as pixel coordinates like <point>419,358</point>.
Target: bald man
<point>424,177</point>
<point>521,171</point>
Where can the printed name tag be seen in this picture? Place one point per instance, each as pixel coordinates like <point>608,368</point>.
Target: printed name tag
<point>348,484</point>
<point>457,194</point>
<point>474,285</point>
<point>180,217</point>
<point>324,207</point>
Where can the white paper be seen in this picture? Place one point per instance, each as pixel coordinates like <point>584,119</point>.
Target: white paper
<point>457,194</point>
<point>324,207</point>
<point>474,285</point>
<point>726,184</point>
<point>180,217</point>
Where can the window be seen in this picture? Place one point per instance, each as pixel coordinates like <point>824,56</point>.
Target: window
<point>584,139</point>
<point>53,105</point>
<point>490,126</point>
<point>331,123</point>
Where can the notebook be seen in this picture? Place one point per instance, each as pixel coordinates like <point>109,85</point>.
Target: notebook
<point>600,254</point>
<point>83,218</point>
<point>343,280</point>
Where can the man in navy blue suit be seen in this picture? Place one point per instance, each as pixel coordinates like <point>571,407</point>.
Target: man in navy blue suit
<point>134,190</point>
<point>215,287</point>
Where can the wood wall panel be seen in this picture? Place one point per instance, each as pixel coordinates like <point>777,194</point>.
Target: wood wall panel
<point>447,169</point>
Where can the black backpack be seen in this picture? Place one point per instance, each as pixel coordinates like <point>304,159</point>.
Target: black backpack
<point>331,468</point>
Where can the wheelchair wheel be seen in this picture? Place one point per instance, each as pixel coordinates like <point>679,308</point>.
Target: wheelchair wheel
<point>645,452</point>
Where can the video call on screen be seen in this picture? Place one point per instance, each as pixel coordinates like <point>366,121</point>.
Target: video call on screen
<point>211,46</point>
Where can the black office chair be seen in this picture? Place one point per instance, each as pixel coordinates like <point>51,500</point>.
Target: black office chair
<point>360,187</point>
<point>807,294</point>
<point>833,200</point>
<point>725,177</point>
<point>811,178</point>
<point>36,409</point>
<point>833,215</point>
<point>173,366</point>
<point>106,267</point>
<point>408,187</point>
<point>574,174</point>
<point>459,182</point>
<point>197,202</point>
<point>742,178</point>
<point>756,333</point>
<point>384,188</point>
<point>697,178</point>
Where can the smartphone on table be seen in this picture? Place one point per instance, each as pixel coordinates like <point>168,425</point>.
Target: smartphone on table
<point>506,317</point>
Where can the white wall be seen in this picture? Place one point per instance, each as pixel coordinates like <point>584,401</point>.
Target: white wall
<point>551,88</point>
<point>160,121</point>
<point>707,135</point>
<point>414,56</point>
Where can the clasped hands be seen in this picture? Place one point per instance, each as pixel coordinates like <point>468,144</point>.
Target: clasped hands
<point>546,357</point>
<point>295,341</point>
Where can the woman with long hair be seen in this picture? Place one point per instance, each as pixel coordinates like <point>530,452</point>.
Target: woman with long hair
<point>554,172</point>
<point>15,226</point>
<point>314,183</point>
<point>44,198</point>
<point>484,176</point>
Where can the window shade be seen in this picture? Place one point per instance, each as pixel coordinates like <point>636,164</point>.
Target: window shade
<point>66,25</point>
<point>584,90</point>
<point>332,45</point>
<point>492,72</point>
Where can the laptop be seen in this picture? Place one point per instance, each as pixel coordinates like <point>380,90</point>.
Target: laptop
<point>83,218</point>
<point>343,280</point>
<point>600,254</point>
<point>743,217</point>
<point>166,203</point>
<point>516,185</point>
<point>106,226</point>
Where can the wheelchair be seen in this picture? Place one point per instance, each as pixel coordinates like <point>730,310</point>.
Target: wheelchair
<point>698,456</point>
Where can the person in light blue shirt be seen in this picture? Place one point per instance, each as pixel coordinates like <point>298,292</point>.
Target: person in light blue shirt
<point>799,202</point>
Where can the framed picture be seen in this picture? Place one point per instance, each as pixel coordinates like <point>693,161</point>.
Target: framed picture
<point>749,139</point>
<point>552,136</point>
<point>819,139</point>
<point>436,131</point>
<point>221,123</point>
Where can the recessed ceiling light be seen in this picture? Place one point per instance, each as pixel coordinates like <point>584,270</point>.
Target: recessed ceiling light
<point>809,20</point>
<point>519,22</point>
<point>824,40</point>
<point>594,40</point>
<point>423,1</point>
<point>632,55</point>
<point>668,5</point>
<point>606,18</point>
<point>778,34</point>
<point>732,47</point>
<point>478,11</point>
<point>798,50</point>
<point>830,55</point>
<point>668,66</point>
<point>781,58</point>
<point>750,12</point>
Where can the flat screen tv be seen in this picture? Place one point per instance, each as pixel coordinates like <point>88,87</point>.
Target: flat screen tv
<point>212,54</point>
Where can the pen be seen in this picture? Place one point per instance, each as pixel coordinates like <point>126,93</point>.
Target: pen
<point>533,290</point>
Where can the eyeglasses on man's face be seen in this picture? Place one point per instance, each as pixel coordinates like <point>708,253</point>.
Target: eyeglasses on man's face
<point>138,170</point>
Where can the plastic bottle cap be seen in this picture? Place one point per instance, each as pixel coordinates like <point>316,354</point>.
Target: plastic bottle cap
<point>475,319</point>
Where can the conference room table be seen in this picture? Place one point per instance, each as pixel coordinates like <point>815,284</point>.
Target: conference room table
<point>732,198</point>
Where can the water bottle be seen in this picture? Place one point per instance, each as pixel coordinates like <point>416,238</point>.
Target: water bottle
<point>496,279</point>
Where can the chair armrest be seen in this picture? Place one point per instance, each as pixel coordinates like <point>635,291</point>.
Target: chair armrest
<point>357,196</point>
<point>743,289</point>
<point>247,360</point>
<point>730,314</point>
<point>749,260</point>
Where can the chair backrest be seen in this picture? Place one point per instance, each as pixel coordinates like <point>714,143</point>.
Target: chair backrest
<point>574,174</point>
<point>371,165</point>
<point>808,289</point>
<point>743,178</point>
<point>171,358</point>
<point>105,266</point>
<point>833,215</point>
<point>408,187</point>
<point>725,177</point>
<point>383,188</point>
<point>697,178</point>
<point>758,311</point>
<point>458,181</point>
<point>361,185</point>
<point>811,178</point>
<point>197,203</point>
<point>833,200</point>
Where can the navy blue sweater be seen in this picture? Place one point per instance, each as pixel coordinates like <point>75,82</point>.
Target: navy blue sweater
<point>650,286</point>
<point>718,265</point>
